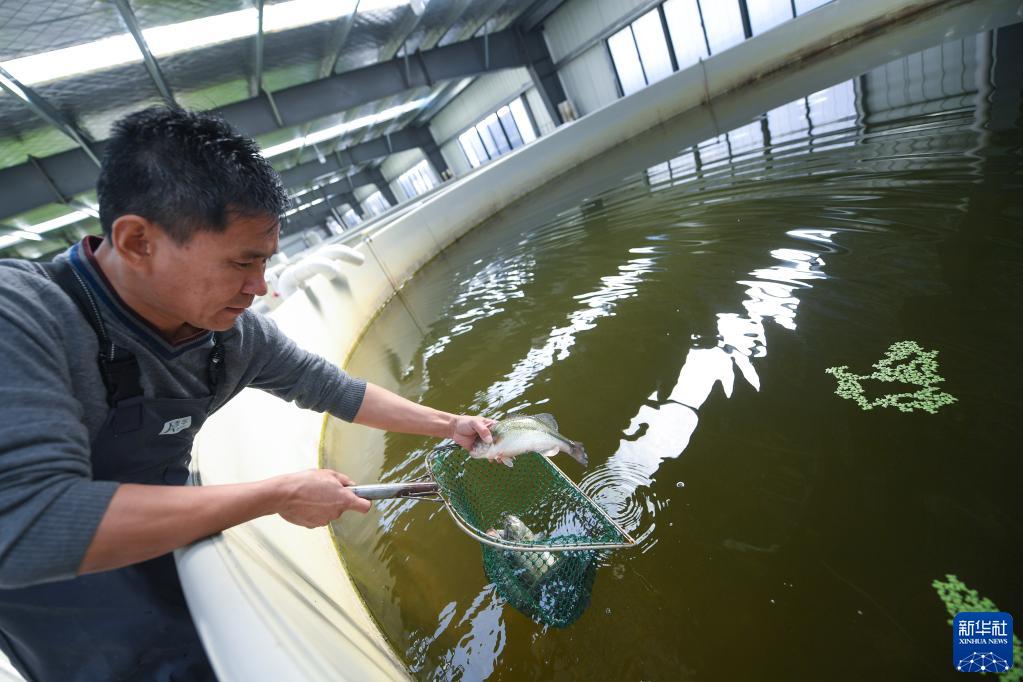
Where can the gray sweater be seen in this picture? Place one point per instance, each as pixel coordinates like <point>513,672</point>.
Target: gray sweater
<point>53,403</point>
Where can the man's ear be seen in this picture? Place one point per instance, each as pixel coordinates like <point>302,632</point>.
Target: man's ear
<point>133,238</point>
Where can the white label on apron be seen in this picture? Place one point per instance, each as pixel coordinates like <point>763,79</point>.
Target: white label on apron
<point>176,426</point>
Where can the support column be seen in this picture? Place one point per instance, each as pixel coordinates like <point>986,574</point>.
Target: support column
<point>377,178</point>
<point>349,198</point>
<point>545,77</point>
<point>432,151</point>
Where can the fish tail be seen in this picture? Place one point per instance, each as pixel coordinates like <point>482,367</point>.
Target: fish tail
<point>578,453</point>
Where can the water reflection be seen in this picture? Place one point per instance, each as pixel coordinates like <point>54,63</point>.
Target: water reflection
<point>662,430</point>
<point>598,303</point>
<point>482,295</point>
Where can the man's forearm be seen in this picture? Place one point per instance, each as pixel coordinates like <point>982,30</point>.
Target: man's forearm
<point>146,521</point>
<point>382,409</point>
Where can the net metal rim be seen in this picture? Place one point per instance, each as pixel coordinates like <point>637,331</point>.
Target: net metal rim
<point>469,530</point>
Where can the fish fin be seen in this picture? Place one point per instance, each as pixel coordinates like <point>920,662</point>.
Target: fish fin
<point>579,453</point>
<point>547,420</point>
<point>551,452</point>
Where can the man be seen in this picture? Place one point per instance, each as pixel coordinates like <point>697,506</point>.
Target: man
<point>111,358</point>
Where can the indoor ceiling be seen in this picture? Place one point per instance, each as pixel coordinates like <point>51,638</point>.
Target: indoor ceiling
<point>70,68</point>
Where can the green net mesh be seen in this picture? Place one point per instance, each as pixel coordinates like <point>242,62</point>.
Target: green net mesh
<point>531,506</point>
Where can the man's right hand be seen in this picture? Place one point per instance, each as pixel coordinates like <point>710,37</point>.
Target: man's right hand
<point>316,497</point>
<point>146,521</point>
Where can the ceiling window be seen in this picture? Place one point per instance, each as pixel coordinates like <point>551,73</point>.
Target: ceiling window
<point>723,24</point>
<point>653,47</point>
<point>418,179</point>
<point>626,61</point>
<point>766,14</point>
<point>506,129</point>
<point>472,146</point>
<point>686,30</point>
<point>640,53</point>
<point>522,120</point>
<point>375,204</point>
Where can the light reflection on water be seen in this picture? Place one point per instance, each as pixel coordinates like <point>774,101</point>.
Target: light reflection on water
<point>662,430</point>
<point>641,318</point>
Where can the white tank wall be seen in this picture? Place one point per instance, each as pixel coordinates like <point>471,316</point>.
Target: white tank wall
<point>273,601</point>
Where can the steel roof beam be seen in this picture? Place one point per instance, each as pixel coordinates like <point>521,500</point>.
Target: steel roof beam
<point>132,24</point>
<point>336,44</point>
<point>370,150</point>
<point>46,111</point>
<point>74,172</point>
<point>454,88</point>
<point>347,184</point>
<point>316,99</point>
<point>256,85</point>
<point>544,73</point>
<point>344,188</point>
<point>382,185</point>
<point>402,31</point>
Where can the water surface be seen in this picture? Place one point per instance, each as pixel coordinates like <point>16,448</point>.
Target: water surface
<point>679,322</point>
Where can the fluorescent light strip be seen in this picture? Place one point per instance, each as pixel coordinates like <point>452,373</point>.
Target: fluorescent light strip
<point>348,126</point>
<point>303,207</point>
<point>108,53</point>
<point>56,223</point>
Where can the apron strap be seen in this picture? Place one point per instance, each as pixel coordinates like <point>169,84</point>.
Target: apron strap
<point>121,375</point>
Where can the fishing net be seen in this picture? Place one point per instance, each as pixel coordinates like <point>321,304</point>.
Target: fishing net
<point>541,535</point>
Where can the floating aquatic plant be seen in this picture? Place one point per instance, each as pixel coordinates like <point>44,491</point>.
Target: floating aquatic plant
<point>905,362</point>
<point>959,598</point>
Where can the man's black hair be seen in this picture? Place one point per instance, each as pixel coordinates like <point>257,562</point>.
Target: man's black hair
<point>185,171</point>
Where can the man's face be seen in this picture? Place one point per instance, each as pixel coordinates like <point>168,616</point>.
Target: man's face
<point>211,279</point>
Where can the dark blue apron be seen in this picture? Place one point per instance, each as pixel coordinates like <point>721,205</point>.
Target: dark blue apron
<point>131,623</point>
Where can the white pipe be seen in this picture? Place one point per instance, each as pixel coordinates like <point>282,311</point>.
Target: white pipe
<point>273,274</point>
<point>342,253</point>
<point>296,276</point>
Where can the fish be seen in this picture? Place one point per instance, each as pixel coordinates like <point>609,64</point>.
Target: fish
<point>531,565</point>
<point>515,435</point>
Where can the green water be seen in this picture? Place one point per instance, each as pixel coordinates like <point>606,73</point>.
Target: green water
<point>679,321</point>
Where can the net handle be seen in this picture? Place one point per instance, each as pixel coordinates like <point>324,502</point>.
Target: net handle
<point>419,490</point>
